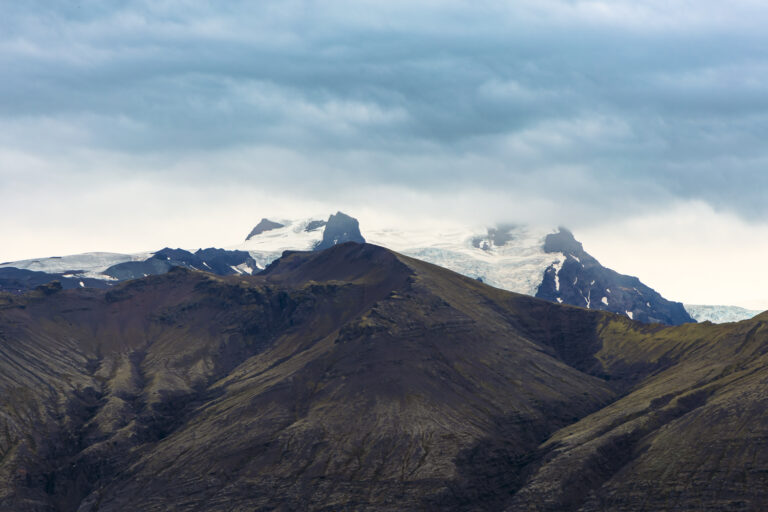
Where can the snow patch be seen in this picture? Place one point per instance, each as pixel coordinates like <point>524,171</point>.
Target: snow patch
<point>630,315</point>
<point>604,300</point>
<point>245,269</point>
<point>269,245</point>
<point>557,266</point>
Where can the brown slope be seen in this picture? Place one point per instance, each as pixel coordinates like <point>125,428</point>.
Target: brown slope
<point>353,378</point>
<point>359,379</point>
<point>691,435</point>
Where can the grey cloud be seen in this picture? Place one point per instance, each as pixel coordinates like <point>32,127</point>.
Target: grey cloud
<point>613,104</point>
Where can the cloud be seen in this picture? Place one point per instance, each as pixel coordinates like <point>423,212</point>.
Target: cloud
<point>580,110</point>
<point>688,251</point>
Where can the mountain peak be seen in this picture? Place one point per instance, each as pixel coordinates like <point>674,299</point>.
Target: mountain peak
<point>263,225</point>
<point>563,241</point>
<point>340,228</point>
<point>577,278</point>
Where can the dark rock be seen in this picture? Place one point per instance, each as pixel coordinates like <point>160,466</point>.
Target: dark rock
<point>583,281</point>
<point>315,224</point>
<point>339,229</point>
<point>137,269</point>
<point>217,261</point>
<point>262,226</point>
<point>50,288</point>
<point>221,261</point>
<point>497,237</point>
<point>17,280</point>
<point>501,234</point>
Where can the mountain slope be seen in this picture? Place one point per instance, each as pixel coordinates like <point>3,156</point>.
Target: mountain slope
<point>357,378</point>
<point>338,379</point>
<point>15,280</point>
<point>582,281</point>
<point>689,435</point>
<point>86,263</point>
<point>218,261</point>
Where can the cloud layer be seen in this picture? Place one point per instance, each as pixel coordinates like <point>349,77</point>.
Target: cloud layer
<point>553,110</point>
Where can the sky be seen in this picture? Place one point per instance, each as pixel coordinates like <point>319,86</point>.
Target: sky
<point>641,126</point>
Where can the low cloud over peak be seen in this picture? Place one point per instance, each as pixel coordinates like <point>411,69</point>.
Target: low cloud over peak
<point>570,111</point>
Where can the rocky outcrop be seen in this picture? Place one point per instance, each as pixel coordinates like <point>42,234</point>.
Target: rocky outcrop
<point>339,229</point>
<point>17,280</point>
<point>217,261</point>
<point>579,279</point>
<point>263,225</point>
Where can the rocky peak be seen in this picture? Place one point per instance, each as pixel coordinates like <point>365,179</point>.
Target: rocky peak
<point>340,228</point>
<point>263,225</point>
<point>315,224</point>
<point>497,237</point>
<point>579,279</point>
<point>563,241</point>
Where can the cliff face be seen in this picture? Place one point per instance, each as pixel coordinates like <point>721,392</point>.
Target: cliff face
<point>357,378</point>
<point>581,280</point>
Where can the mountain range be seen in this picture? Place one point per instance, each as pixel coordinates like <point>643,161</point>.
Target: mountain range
<point>357,378</point>
<point>542,262</point>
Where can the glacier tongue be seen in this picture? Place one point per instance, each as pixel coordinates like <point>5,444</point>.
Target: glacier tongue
<point>719,314</point>
<point>518,264</point>
<point>89,264</point>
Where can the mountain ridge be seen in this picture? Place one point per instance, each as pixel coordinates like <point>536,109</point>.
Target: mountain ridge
<point>519,258</point>
<point>359,378</point>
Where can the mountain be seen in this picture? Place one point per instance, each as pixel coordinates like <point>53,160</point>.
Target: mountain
<point>265,243</point>
<point>337,379</point>
<point>582,281</point>
<point>262,226</point>
<point>687,435</point>
<point>218,261</point>
<point>269,239</point>
<point>546,263</point>
<point>543,262</point>
<point>90,264</point>
<point>17,280</point>
<point>102,270</point>
<point>357,378</point>
<point>720,314</point>
<point>339,229</point>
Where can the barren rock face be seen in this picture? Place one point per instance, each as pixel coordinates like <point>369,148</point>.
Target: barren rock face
<point>358,379</point>
<point>262,226</point>
<point>339,229</point>
<point>582,281</point>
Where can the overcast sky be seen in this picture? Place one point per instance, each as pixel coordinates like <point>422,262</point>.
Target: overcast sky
<point>128,126</point>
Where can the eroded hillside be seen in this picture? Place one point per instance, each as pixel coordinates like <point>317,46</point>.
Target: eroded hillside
<point>359,379</point>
